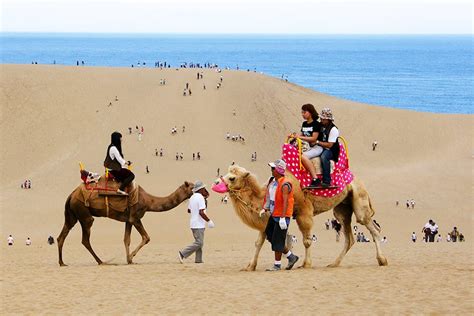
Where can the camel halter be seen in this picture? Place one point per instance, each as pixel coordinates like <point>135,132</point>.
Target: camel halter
<point>235,193</point>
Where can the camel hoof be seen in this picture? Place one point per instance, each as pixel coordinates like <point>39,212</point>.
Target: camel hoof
<point>382,261</point>
<point>63,265</point>
<point>333,265</point>
<point>248,269</point>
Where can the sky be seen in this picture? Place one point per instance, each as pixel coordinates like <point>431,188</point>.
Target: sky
<point>239,16</point>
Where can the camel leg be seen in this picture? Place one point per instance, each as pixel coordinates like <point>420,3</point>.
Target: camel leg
<point>126,241</point>
<point>86,233</point>
<point>305,224</point>
<point>145,238</point>
<point>258,246</point>
<point>69,221</point>
<point>364,211</point>
<point>376,236</point>
<point>61,238</point>
<point>343,214</point>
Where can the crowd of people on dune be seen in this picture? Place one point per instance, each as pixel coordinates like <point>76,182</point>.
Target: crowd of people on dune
<point>28,241</point>
<point>431,233</point>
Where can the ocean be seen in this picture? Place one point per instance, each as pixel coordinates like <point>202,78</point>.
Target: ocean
<point>429,73</point>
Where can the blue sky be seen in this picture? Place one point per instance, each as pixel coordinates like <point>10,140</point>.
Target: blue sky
<point>243,16</point>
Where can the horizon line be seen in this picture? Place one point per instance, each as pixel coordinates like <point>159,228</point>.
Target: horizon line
<point>236,33</point>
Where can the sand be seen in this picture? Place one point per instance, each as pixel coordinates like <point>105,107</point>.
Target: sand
<point>52,117</point>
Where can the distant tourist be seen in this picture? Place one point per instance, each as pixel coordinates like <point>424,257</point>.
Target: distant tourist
<point>28,241</point>
<point>440,238</point>
<point>198,156</point>
<point>413,237</point>
<point>384,240</point>
<point>10,240</point>
<point>337,228</point>
<point>156,152</point>
<point>431,230</point>
<point>218,171</point>
<point>454,234</point>
<point>50,240</point>
<point>327,223</point>
<point>161,152</point>
<point>374,145</point>
<point>147,170</point>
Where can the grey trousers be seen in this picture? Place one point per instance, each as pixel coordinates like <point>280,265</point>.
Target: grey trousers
<point>196,246</point>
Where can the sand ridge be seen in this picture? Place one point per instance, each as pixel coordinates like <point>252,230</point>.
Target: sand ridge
<point>54,116</point>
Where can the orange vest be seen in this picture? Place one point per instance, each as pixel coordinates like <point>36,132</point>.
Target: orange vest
<point>278,209</point>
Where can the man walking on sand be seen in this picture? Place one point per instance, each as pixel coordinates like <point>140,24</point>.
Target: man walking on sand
<point>279,202</point>
<point>197,209</point>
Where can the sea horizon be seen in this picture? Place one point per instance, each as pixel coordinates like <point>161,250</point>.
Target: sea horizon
<point>421,72</point>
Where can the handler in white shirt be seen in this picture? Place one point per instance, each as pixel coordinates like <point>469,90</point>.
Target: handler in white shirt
<point>197,209</point>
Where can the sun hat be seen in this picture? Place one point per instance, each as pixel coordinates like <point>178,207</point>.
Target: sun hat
<point>198,185</point>
<point>326,113</point>
<point>279,165</point>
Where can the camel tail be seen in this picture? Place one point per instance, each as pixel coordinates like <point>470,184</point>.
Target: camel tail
<point>69,219</point>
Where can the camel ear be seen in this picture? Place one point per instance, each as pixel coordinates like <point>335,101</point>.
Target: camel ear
<point>186,183</point>
<point>246,175</point>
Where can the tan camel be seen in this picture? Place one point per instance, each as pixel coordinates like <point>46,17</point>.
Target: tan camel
<point>247,198</point>
<point>75,210</point>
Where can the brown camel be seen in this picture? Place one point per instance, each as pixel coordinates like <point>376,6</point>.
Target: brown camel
<point>247,198</point>
<point>76,210</point>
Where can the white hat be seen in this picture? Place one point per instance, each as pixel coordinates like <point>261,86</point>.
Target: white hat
<point>198,185</point>
<point>279,165</point>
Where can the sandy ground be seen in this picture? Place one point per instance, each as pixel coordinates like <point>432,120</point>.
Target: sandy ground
<point>53,117</point>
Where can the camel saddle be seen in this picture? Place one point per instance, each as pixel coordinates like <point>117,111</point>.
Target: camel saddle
<point>102,195</point>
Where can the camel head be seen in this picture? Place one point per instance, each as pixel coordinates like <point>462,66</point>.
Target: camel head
<point>187,189</point>
<point>237,178</point>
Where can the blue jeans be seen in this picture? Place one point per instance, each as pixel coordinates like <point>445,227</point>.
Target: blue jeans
<point>326,158</point>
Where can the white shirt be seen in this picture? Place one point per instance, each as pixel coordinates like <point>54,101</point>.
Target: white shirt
<point>28,242</point>
<point>10,239</point>
<point>114,154</point>
<point>333,135</point>
<point>413,236</point>
<point>196,203</point>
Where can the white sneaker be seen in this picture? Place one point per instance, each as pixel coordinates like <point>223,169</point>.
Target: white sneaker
<point>180,257</point>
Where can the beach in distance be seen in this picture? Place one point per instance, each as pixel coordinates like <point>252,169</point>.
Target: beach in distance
<point>55,116</point>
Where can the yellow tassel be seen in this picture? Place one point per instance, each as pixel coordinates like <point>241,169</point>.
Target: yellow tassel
<point>346,148</point>
<point>81,166</point>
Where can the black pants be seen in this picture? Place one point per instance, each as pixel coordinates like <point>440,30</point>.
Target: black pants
<point>124,176</point>
<point>275,235</point>
<point>431,237</point>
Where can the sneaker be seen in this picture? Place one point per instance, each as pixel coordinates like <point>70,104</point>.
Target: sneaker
<point>315,183</point>
<point>121,192</point>
<point>291,261</point>
<point>274,268</point>
<point>180,257</point>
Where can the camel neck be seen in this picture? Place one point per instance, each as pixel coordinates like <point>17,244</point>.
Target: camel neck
<point>162,204</point>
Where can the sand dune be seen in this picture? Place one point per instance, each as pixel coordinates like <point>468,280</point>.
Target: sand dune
<point>53,117</point>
